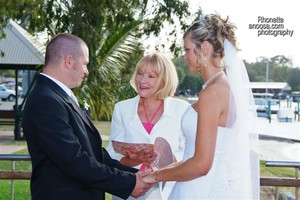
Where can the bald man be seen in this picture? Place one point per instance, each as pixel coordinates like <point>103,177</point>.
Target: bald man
<point>68,161</point>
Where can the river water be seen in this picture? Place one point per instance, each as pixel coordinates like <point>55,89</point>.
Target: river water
<point>278,140</point>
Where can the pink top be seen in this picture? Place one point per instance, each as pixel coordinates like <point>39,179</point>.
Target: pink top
<point>148,126</point>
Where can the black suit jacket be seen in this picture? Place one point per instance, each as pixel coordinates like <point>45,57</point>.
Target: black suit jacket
<point>68,162</point>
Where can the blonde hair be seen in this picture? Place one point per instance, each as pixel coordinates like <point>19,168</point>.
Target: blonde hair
<point>165,70</point>
<point>215,30</point>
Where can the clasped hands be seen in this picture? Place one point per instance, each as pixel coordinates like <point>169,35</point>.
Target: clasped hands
<point>145,156</point>
<point>149,159</point>
<point>144,181</point>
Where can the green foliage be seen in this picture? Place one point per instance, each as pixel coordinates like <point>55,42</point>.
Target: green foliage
<point>278,67</point>
<point>293,79</point>
<point>280,70</point>
<point>189,83</point>
<point>7,73</point>
<point>112,30</point>
<point>181,68</point>
<point>193,83</point>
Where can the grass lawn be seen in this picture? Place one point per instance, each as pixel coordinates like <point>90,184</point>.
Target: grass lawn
<point>22,187</point>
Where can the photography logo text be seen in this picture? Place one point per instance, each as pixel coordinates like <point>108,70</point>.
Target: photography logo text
<point>271,26</point>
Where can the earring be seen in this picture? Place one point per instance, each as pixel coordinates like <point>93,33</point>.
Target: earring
<point>198,63</point>
<point>205,62</point>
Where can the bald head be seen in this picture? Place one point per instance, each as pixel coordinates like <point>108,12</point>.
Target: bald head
<point>62,45</point>
<point>66,59</point>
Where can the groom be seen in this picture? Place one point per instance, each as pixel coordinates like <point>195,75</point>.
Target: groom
<point>68,161</point>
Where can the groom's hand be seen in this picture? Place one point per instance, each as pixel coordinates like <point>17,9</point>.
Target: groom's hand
<point>141,187</point>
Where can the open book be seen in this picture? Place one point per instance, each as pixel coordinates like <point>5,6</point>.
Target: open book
<point>160,146</point>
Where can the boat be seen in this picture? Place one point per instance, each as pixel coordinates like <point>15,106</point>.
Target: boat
<point>285,115</point>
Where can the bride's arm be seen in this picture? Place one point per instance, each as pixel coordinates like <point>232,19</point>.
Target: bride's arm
<point>199,164</point>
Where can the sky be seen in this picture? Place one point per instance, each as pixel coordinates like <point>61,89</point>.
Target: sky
<point>253,42</point>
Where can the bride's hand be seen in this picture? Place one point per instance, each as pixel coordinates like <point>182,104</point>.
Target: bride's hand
<point>150,178</point>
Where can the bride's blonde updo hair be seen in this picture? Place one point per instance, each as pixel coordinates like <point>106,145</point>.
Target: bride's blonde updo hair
<point>215,30</point>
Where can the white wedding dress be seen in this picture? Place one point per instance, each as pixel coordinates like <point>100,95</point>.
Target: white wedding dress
<point>226,185</point>
<point>235,170</point>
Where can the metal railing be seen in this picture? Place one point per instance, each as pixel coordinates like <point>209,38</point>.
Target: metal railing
<point>12,174</point>
<point>264,181</point>
<point>282,181</point>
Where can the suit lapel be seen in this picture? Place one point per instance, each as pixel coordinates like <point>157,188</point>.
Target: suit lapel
<point>57,89</point>
<point>82,114</point>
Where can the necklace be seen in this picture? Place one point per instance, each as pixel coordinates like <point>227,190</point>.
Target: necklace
<point>148,126</point>
<point>211,78</point>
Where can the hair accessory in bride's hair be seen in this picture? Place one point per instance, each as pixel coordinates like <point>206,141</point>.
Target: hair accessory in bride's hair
<point>202,21</point>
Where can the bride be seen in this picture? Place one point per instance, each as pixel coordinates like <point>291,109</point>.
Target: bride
<point>219,161</point>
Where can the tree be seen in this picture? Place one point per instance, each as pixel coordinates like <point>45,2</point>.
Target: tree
<point>278,69</point>
<point>293,79</point>
<point>181,68</point>
<point>192,84</point>
<point>112,30</point>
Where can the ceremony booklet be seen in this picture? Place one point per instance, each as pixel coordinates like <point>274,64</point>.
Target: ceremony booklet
<point>123,147</point>
<point>160,146</point>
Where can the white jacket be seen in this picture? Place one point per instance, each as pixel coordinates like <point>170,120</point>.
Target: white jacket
<point>126,125</point>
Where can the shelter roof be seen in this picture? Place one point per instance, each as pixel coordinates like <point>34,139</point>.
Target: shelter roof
<point>270,85</point>
<point>20,47</point>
